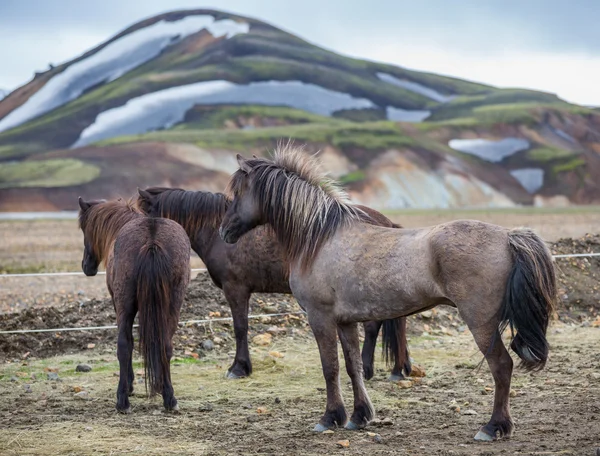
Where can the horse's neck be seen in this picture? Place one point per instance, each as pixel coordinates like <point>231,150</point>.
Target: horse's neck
<point>203,241</point>
<point>111,236</point>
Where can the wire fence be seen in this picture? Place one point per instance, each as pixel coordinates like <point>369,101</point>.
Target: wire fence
<point>182,323</point>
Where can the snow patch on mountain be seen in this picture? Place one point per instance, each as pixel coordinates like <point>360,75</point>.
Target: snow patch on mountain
<point>165,108</point>
<point>532,179</point>
<point>486,149</point>
<point>114,60</point>
<point>404,115</point>
<point>415,87</point>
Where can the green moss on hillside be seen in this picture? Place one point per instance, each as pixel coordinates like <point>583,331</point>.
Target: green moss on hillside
<point>342,134</point>
<point>215,117</point>
<point>570,165</point>
<point>47,173</point>
<point>547,154</point>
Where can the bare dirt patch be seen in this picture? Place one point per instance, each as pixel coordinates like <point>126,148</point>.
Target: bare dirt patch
<point>555,411</point>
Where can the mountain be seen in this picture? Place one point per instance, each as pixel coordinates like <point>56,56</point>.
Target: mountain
<point>172,99</point>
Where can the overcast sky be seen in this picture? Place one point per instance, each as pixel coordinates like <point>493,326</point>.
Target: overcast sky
<point>551,45</point>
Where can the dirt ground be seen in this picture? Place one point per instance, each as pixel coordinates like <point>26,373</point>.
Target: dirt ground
<point>556,411</point>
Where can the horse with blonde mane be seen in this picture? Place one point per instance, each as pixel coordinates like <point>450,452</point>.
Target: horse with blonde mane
<point>147,270</point>
<point>345,269</point>
<point>256,264</point>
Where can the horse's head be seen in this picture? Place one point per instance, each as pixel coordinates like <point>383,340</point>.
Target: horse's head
<point>90,261</point>
<point>244,212</point>
<point>147,202</point>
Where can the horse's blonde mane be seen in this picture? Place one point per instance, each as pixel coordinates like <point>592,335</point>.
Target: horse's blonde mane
<point>304,206</point>
<point>102,221</point>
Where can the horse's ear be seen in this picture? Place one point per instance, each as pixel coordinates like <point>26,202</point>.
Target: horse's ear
<point>84,205</point>
<point>243,164</point>
<point>144,194</point>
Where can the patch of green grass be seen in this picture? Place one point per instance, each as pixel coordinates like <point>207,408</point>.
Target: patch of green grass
<point>571,165</point>
<point>546,154</point>
<point>214,117</point>
<point>47,173</point>
<point>354,176</point>
<point>342,134</point>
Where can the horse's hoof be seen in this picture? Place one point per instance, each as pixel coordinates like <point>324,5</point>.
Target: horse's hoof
<point>232,376</point>
<point>320,428</point>
<point>350,426</point>
<point>126,411</point>
<point>484,437</point>
<point>395,378</point>
<point>174,409</point>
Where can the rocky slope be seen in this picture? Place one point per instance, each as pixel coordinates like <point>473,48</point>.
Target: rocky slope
<point>172,99</point>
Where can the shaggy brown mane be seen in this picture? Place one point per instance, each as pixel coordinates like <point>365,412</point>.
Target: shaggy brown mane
<point>103,220</point>
<point>192,210</point>
<point>303,205</point>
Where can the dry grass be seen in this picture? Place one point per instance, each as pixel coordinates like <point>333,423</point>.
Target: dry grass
<point>550,224</point>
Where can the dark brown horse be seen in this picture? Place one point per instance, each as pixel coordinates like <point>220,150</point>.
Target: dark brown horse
<point>256,264</point>
<point>345,269</point>
<point>147,270</point>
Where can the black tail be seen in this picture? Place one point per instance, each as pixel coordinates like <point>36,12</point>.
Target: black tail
<point>155,314</point>
<point>395,346</point>
<point>530,297</point>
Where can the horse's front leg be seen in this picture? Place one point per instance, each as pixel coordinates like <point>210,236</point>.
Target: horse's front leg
<point>238,298</point>
<point>324,328</point>
<point>368,352</point>
<point>363,409</point>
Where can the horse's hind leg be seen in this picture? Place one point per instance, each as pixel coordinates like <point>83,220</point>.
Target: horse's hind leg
<point>168,394</point>
<point>363,409</point>
<point>324,328</point>
<point>368,352</point>
<point>238,302</point>
<point>124,354</point>
<point>501,365</point>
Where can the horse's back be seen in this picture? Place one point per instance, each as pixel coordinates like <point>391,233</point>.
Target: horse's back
<point>165,236</point>
<point>421,267</point>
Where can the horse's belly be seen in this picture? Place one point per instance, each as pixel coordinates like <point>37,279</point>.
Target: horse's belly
<point>380,304</point>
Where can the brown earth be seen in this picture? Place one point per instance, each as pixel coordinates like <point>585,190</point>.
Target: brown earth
<point>556,411</point>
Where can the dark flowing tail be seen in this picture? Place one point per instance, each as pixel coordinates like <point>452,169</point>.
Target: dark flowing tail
<point>154,308</point>
<point>530,297</point>
<point>395,345</point>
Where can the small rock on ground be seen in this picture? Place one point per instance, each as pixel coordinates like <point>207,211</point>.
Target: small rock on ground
<point>53,376</point>
<point>83,395</point>
<point>208,407</point>
<point>83,368</point>
<point>262,339</point>
<point>417,371</point>
<point>208,344</point>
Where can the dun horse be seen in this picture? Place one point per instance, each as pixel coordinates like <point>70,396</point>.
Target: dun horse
<point>147,270</point>
<point>256,264</point>
<point>346,269</point>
